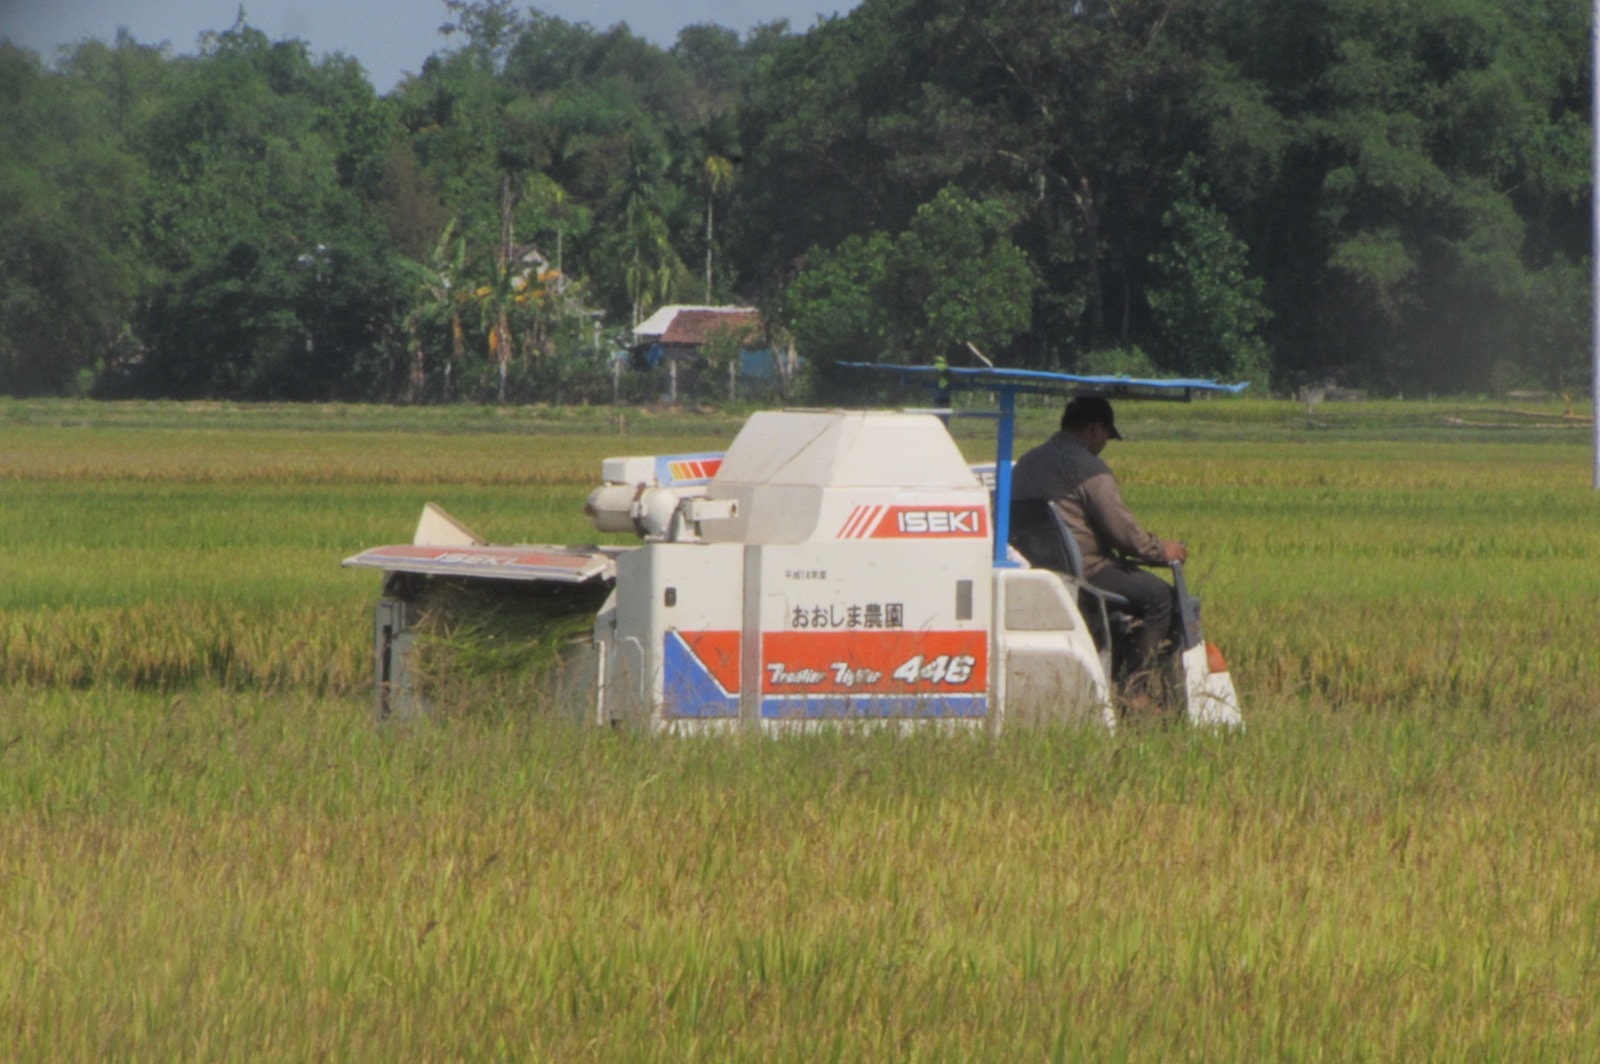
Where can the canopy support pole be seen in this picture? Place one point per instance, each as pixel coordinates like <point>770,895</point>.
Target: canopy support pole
<point>1004,439</point>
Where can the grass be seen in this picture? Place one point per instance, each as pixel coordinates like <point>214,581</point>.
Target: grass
<point>238,876</point>
<point>209,851</point>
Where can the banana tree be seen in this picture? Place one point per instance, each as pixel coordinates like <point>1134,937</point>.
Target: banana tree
<point>438,279</point>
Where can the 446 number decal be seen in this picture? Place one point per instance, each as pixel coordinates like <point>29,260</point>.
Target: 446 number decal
<point>896,662</point>
<point>946,668</point>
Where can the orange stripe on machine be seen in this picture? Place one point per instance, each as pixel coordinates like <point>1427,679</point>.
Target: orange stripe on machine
<point>694,469</point>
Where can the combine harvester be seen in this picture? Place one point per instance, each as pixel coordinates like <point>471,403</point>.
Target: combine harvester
<point>837,566</point>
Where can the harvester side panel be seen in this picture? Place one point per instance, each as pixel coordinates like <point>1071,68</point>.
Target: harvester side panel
<point>872,629</point>
<point>673,645</point>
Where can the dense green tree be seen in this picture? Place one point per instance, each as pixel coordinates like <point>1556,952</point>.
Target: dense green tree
<point>1408,180</point>
<point>488,30</point>
<point>1075,113</point>
<point>835,305</point>
<point>1208,308</point>
<point>594,115</point>
<point>409,202</point>
<point>1429,199</point>
<point>71,263</point>
<point>275,275</point>
<point>953,277</point>
<point>958,278</point>
<point>1393,192</point>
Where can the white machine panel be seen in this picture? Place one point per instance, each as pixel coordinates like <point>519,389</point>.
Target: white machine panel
<point>674,653</point>
<point>851,631</point>
<point>798,476</point>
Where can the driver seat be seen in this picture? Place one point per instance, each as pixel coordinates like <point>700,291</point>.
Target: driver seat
<point>1039,535</point>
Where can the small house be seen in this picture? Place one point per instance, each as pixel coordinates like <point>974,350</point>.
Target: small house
<point>685,340</point>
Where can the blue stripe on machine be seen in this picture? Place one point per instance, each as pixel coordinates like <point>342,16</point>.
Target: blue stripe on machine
<point>688,690</point>
<point>875,707</point>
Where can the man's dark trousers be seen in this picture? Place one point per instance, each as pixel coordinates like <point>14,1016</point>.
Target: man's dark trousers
<point>1150,600</point>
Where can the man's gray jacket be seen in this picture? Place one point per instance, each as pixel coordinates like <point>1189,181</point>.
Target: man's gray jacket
<point>1084,492</point>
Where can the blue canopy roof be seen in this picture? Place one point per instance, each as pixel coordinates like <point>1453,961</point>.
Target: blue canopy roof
<point>1044,382</point>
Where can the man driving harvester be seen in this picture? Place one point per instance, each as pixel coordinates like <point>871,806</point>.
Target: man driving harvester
<point>1066,471</point>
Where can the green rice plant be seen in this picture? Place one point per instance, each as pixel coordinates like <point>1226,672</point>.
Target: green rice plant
<point>223,874</point>
<point>481,644</point>
<point>256,456</point>
<point>170,645</point>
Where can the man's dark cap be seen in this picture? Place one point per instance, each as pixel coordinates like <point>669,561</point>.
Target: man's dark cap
<point>1089,410</point>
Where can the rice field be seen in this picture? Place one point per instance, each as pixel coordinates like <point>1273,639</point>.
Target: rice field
<point>208,850</point>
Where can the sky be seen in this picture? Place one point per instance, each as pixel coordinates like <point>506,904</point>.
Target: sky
<point>389,37</point>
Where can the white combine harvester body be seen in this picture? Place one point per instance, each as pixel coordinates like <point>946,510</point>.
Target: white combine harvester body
<point>831,567</point>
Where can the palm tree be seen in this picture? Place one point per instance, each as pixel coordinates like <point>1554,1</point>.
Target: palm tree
<point>652,262</point>
<point>719,174</point>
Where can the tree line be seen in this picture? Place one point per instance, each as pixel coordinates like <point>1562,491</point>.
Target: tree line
<point>1393,193</point>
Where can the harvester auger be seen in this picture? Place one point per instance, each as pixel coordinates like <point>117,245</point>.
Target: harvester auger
<point>829,567</point>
